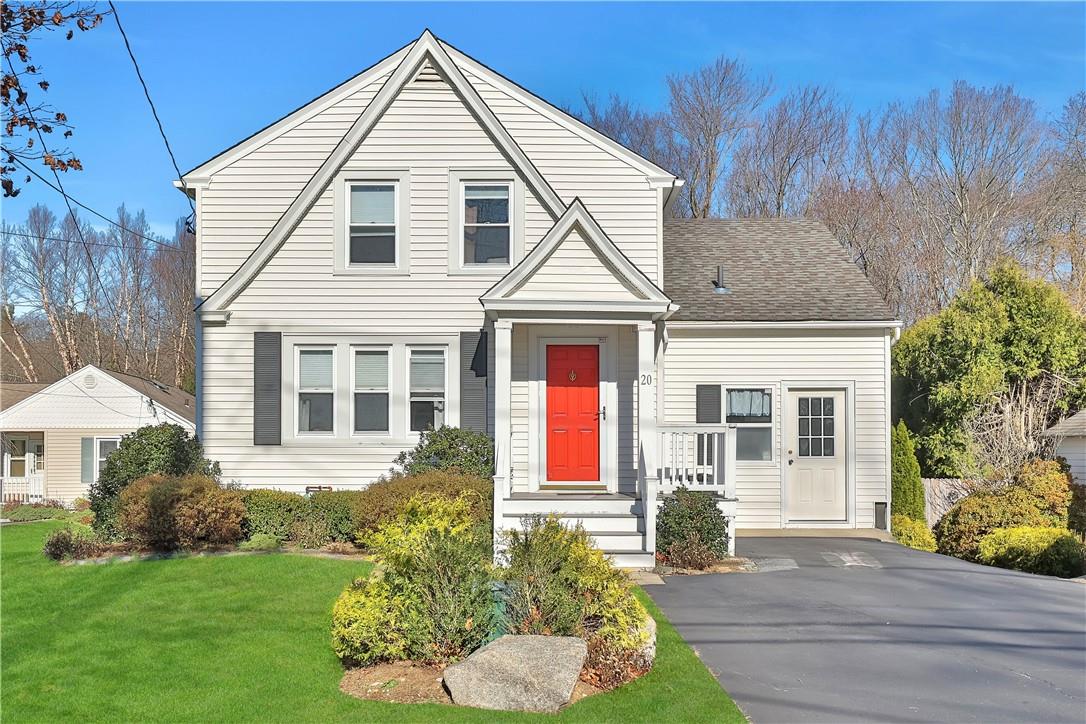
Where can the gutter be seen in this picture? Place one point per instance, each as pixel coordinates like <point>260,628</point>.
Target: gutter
<point>896,325</point>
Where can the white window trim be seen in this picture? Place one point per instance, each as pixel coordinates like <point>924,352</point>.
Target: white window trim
<point>774,459</point>
<point>400,179</point>
<point>297,389</point>
<point>8,457</point>
<point>457,180</point>
<point>412,434</point>
<point>387,349</point>
<point>97,451</point>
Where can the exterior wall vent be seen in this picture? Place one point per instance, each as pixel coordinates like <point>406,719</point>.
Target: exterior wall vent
<point>90,381</point>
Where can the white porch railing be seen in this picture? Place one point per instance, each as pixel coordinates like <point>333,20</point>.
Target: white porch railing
<point>698,458</point>
<point>28,489</point>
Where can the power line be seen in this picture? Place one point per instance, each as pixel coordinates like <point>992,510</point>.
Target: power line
<point>77,202</point>
<point>154,111</point>
<point>165,247</point>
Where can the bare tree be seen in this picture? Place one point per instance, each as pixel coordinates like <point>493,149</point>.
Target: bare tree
<point>780,163</point>
<point>709,109</point>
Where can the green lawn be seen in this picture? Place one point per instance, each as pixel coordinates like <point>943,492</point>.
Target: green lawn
<point>240,638</point>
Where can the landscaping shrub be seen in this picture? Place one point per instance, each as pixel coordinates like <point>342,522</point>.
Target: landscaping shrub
<point>165,449</point>
<point>961,529</point>
<point>1049,482</point>
<point>209,517</point>
<point>309,531</point>
<point>30,512</point>
<point>71,542</point>
<point>691,553</point>
<point>337,508</point>
<point>148,510</point>
<point>912,533</point>
<point>907,488</point>
<point>260,542</point>
<point>1076,511</point>
<point>558,584</point>
<point>1047,551</point>
<point>432,601</point>
<point>273,512</point>
<point>688,513</point>
<point>449,448</point>
<point>383,500</point>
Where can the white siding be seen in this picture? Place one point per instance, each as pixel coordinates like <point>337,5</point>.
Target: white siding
<point>574,270</point>
<point>1073,449</point>
<point>752,358</point>
<point>427,132</point>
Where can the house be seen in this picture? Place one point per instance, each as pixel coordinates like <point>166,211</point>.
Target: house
<point>1071,443</point>
<point>55,437</point>
<point>430,244</point>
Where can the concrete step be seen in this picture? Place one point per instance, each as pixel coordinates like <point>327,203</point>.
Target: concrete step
<point>633,559</point>
<point>569,504</point>
<point>602,522</point>
<point>617,540</point>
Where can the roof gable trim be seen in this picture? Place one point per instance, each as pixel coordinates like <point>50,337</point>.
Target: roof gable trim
<point>425,48</point>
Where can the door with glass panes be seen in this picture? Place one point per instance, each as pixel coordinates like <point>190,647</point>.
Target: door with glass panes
<point>816,488</point>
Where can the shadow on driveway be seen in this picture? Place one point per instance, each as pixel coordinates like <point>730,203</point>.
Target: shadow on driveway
<point>861,630</point>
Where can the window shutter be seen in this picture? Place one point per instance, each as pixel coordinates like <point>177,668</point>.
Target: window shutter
<point>473,380</point>
<point>708,404</point>
<point>86,460</point>
<point>267,387</point>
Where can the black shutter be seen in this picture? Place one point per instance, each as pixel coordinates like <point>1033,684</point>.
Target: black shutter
<point>708,404</point>
<point>267,387</point>
<point>473,380</point>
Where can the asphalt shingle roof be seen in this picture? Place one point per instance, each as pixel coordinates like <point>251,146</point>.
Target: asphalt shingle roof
<point>778,270</point>
<point>1069,426</point>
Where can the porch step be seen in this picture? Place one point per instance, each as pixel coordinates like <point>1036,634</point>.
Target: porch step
<point>568,504</point>
<point>592,522</point>
<point>635,559</point>
<point>618,540</point>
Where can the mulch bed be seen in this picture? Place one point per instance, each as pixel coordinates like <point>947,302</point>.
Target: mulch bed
<point>727,565</point>
<point>405,682</point>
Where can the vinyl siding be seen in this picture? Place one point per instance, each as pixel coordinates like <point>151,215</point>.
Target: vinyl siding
<point>1073,449</point>
<point>63,471</point>
<point>767,359</point>
<point>428,132</point>
<point>574,268</point>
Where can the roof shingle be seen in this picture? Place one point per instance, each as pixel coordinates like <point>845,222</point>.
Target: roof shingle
<point>778,270</point>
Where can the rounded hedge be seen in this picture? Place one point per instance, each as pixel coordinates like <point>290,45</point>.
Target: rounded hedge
<point>961,529</point>
<point>912,533</point>
<point>1046,551</point>
<point>690,514</point>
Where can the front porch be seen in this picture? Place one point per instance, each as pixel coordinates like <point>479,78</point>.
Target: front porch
<point>22,475</point>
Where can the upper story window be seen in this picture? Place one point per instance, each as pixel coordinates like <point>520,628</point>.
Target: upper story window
<point>487,232</point>
<point>372,233</point>
<point>316,390</point>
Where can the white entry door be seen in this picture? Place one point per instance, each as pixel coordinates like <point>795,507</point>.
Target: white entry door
<point>817,488</point>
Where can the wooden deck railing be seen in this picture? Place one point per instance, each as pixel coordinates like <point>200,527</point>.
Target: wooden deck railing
<point>697,457</point>
<point>28,489</point>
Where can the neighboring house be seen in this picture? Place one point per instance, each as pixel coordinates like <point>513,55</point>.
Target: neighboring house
<point>429,243</point>
<point>56,437</point>
<point>1071,445</point>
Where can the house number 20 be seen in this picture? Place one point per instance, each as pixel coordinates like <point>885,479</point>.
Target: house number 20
<point>646,379</point>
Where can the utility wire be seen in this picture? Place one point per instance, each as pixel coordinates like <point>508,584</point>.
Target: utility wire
<point>154,111</point>
<point>80,204</point>
<point>165,247</point>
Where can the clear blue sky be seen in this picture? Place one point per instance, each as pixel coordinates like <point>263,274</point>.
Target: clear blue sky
<point>220,71</point>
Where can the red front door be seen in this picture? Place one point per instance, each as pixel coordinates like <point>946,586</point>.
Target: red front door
<point>573,404</point>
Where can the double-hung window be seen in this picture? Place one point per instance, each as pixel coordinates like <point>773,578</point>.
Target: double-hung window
<point>371,391</point>
<point>751,410</point>
<point>371,237</point>
<point>486,228</point>
<point>427,389</point>
<point>316,390</point>
<point>17,457</point>
<point>103,448</point>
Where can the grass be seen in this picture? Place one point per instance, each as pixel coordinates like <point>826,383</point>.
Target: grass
<point>243,638</point>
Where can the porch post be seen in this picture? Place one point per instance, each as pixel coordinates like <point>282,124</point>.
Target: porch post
<point>503,349</point>
<point>646,427</point>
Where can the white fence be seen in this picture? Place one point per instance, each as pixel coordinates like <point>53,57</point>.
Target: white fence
<point>28,489</point>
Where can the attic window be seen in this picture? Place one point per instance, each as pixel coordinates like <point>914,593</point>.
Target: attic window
<point>486,230</point>
<point>372,234</point>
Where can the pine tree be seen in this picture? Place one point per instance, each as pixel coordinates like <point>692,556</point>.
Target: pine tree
<point>906,487</point>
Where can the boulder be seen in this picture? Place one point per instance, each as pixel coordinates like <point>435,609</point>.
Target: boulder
<point>519,673</point>
<point>646,655</point>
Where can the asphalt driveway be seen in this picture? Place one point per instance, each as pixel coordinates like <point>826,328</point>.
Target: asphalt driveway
<point>838,629</point>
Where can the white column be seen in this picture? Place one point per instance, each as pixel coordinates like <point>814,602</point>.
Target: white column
<point>503,352</point>
<point>646,427</point>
